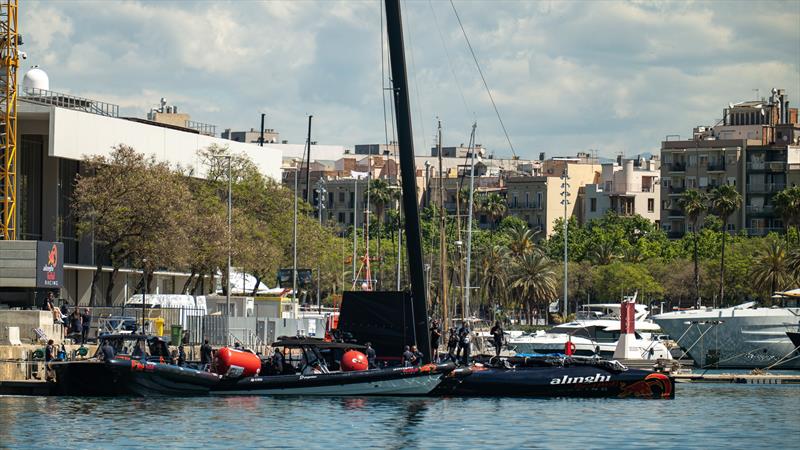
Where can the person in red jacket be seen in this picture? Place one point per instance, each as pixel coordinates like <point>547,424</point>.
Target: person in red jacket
<point>569,347</point>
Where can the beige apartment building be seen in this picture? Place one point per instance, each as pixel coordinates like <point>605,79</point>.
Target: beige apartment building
<point>626,188</point>
<point>537,199</point>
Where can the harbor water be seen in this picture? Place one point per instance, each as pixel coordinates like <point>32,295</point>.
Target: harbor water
<point>701,416</point>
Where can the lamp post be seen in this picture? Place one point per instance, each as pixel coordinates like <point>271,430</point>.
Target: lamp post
<point>565,202</point>
<point>144,291</point>
<point>321,191</point>
<point>296,171</point>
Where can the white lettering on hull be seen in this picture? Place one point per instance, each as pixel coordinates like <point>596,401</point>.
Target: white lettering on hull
<point>597,378</point>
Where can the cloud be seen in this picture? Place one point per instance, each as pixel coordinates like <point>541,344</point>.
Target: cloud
<point>566,76</point>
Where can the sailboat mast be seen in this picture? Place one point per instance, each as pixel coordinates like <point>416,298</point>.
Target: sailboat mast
<point>394,28</point>
<point>442,228</point>
<point>469,218</point>
<point>308,163</point>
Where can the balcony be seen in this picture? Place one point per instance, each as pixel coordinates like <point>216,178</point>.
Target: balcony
<point>760,210</point>
<point>676,190</point>
<point>675,234</point>
<point>768,166</point>
<point>677,167</point>
<point>675,214</point>
<point>716,167</point>
<point>765,188</point>
<point>763,231</point>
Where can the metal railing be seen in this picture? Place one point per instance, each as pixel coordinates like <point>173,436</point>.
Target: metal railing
<point>765,187</point>
<point>764,209</point>
<point>203,128</point>
<point>768,166</point>
<point>61,100</point>
<point>191,320</point>
<point>763,231</point>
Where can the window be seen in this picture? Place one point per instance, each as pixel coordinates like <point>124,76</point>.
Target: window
<point>731,227</point>
<point>527,200</point>
<point>352,219</point>
<point>651,205</point>
<point>703,182</point>
<point>341,196</point>
<point>341,217</point>
<point>539,200</point>
<point>593,205</point>
<point>330,199</point>
<point>514,202</point>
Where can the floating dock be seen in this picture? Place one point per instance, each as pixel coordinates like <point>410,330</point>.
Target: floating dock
<point>32,387</point>
<point>736,378</point>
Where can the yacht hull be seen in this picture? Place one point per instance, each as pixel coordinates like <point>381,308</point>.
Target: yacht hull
<point>395,381</point>
<point>735,338</point>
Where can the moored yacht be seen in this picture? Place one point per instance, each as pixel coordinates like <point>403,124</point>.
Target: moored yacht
<point>595,331</point>
<point>744,336</point>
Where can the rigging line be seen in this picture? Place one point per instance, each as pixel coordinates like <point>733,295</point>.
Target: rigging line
<point>413,67</point>
<point>450,60</point>
<point>383,81</point>
<point>486,85</point>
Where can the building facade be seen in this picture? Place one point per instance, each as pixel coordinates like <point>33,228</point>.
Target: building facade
<point>629,188</point>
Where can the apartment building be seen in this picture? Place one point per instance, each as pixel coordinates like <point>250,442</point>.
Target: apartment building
<point>754,148</point>
<point>537,199</point>
<point>626,187</point>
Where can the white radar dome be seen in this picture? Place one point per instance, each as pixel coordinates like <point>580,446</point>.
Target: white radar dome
<point>36,78</point>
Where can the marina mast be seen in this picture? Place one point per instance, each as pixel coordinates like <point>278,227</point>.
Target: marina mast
<point>442,229</point>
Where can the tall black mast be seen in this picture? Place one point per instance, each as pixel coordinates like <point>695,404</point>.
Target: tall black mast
<point>394,28</point>
<point>308,163</point>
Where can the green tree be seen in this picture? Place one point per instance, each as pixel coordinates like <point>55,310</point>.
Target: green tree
<point>614,280</point>
<point>135,207</point>
<point>787,206</point>
<point>534,279</point>
<point>381,194</point>
<point>724,201</point>
<point>522,241</point>
<point>495,207</point>
<point>771,271</point>
<point>693,203</point>
<point>492,270</point>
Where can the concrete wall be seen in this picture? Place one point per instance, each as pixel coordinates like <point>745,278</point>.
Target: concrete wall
<point>75,134</point>
<point>27,321</point>
<point>17,264</point>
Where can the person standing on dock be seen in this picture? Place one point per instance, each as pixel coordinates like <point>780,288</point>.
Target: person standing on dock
<point>181,356</point>
<point>76,323</point>
<point>49,356</point>
<point>436,334</point>
<point>86,321</point>
<point>497,337</point>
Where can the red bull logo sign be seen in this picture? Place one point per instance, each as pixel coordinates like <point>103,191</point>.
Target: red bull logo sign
<point>49,264</point>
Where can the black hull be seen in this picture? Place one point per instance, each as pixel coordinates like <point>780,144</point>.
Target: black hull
<point>121,377</point>
<point>392,381</point>
<point>794,336</point>
<point>560,381</point>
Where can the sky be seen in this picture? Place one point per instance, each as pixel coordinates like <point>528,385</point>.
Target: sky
<point>615,77</point>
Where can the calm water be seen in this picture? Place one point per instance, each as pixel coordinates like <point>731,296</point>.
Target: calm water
<point>702,416</point>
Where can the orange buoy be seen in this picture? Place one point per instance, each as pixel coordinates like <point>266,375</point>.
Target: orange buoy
<point>237,363</point>
<point>353,361</point>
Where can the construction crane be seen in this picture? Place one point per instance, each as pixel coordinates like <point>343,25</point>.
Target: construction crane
<point>9,58</point>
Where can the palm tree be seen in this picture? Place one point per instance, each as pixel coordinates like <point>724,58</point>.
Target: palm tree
<point>534,279</point>
<point>493,273</point>
<point>522,241</point>
<point>495,207</point>
<point>771,270</point>
<point>381,194</point>
<point>724,200</point>
<point>693,203</point>
<point>793,262</point>
<point>604,253</point>
<point>787,206</point>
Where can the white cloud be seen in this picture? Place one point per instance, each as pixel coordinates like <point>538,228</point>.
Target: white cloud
<point>567,76</point>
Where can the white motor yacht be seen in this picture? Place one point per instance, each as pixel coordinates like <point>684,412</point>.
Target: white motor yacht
<point>595,331</point>
<point>743,336</point>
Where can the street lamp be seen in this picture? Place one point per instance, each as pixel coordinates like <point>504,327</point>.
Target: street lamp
<point>230,236</point>
<point>294,168</point>
<point>321,192</point>
<point>144,291</point>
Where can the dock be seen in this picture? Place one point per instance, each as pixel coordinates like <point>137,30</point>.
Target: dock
<point>736,378</point>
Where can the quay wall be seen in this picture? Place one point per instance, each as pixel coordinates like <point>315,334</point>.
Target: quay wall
<point>27,321</point>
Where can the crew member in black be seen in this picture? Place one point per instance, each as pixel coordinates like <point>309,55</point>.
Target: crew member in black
<point>436,334</point>
<point>205,353</point>
<point>465,342</point>
<point>108,351</point>
<point>75,323</point>
<point>497,337</point>
<point>49,355</point>
<point>371,356</point>
<point>418,356</point>
<point>408,357</point>
<point>181,355</point>
<point>86,319</point>
<point>452,343</point>
<point>277,362</point>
